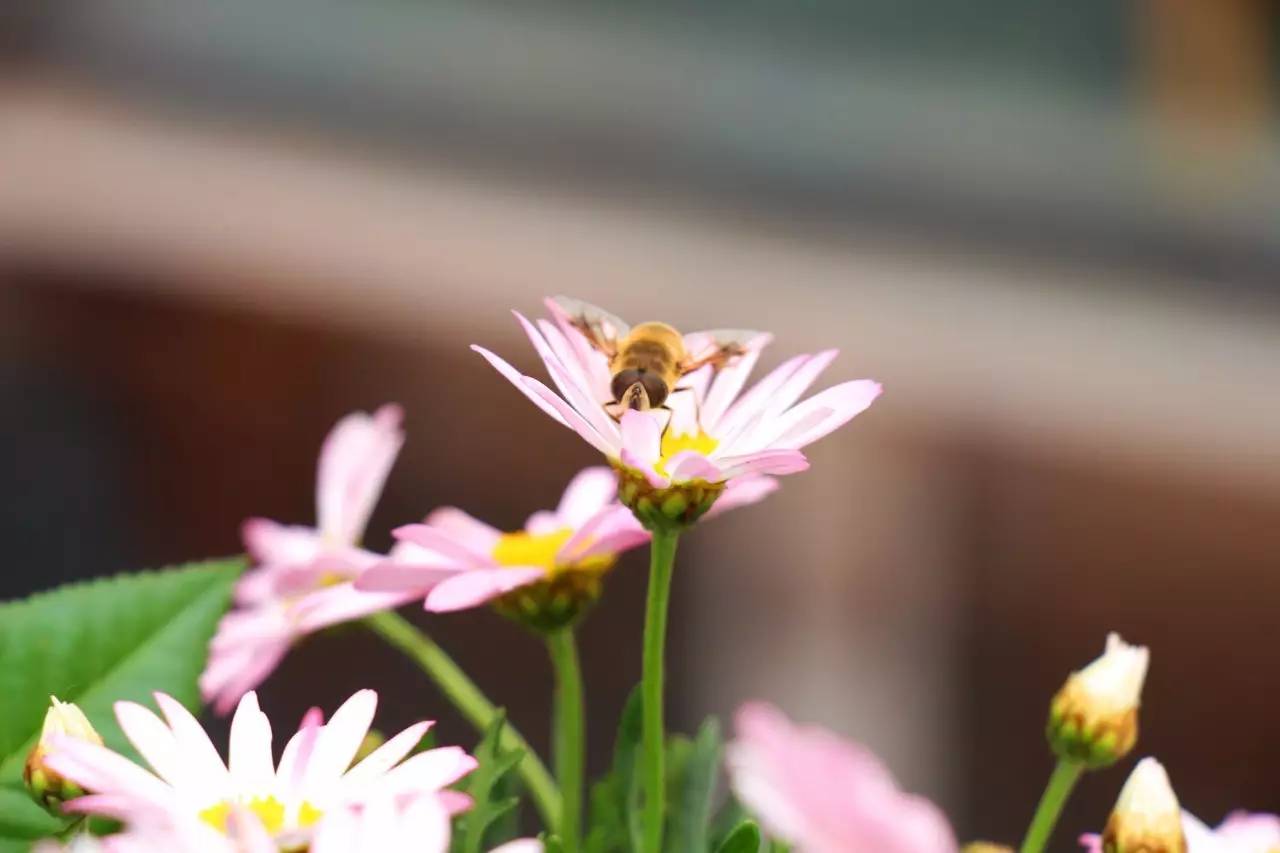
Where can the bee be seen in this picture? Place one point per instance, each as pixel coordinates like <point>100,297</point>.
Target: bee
<point>648,360</point>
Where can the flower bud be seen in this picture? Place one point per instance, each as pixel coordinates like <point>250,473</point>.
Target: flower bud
<point>1094,717</point>
<point>1147,817</point>
<point>47,787</point>
<point>985,847</point>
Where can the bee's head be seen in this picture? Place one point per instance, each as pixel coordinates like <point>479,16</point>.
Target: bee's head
<point>655,388</point>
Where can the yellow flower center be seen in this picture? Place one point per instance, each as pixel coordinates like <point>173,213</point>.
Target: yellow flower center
<point>542,549</point>
<point>673,444</point>
<point>269,810</point>
<point>531,549</point>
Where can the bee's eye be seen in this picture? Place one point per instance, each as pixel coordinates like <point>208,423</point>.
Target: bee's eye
<point>655,388</point>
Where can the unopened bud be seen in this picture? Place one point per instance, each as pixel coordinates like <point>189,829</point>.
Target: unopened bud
<point>1094,718</point>
<point>47,787</point>
<point>1147,817</point>
<point>985,847</point>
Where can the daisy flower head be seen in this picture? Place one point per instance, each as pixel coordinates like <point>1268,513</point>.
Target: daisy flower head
<point>250,802</point>
<point>669,411</point>
<point>545,575</point>
<point>823,794</point>
<point>301,579</point>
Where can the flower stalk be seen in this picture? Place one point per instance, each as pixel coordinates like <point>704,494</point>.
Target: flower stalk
<point>1066,773</point>
<point>569,735</point>
<point>662,557</point>
<point>459,689</point>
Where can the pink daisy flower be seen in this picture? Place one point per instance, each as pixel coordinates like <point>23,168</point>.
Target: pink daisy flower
<point>251,802</point>
<point>545,574</point>
<point>707,433</point>
<point>823,794</point>
<point>301,580</point>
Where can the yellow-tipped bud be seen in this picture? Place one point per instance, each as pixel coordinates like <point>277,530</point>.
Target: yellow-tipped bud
<point>47,787</point>
<point>1094,717</point>
<point>1147,817</point>
<point>985,847</point>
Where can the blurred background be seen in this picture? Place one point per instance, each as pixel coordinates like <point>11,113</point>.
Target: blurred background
<point>1051,230</point>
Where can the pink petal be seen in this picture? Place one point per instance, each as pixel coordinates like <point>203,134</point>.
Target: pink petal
<point>641,438</point>
<point>742,491</point>
<point>575,390</point>
<point>443,542</point>
<point>651,475</point>
<point>615,542</point>
<point>614,518</point>
<point>517,379</point>
<point>692,465</point>
<point>799,381</point>
<point>591,490</point>
<point>478,586</point>
<point>270,542</point>
<point>354,463</point>
<point>102,771</point>
<point>571,417</point>
<point>228,676</point>
<point>542,522</point>
<point>777,462</point>
<point>478,535</point>
<point>402,577</point>
<point>756,401</point>
<point>728,384</point>
<point>337,604</point>
<point>844,402</point>
<point>592,374</point>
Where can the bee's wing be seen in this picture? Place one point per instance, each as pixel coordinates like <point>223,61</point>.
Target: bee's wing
<point>601,328</point>
<point>715,347</point>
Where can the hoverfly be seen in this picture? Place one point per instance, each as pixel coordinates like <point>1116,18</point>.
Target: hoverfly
<point>646,361</point>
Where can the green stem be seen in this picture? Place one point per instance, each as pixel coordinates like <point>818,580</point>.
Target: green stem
<point>570,734</point>
<point>467,698</point>
<point>1061,782</point>
<point>662,558</point>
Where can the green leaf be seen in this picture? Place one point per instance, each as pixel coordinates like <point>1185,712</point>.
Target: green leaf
<point>94,643</point>
<point>551,843</point>
<point>486,787</point>
<point>745,838</point>
<point>698,765</point>
<point>614,810</point>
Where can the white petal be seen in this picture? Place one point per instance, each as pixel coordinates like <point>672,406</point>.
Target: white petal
<point>337,743</point>
<point>197,750</point>
<point>249,755</point>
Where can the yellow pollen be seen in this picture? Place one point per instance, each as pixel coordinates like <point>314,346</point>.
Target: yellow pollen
<point>308,815</point>
<point>531,549</point>
<point>541,549</point>
<point>673,444</point>
<point>268,809</point>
